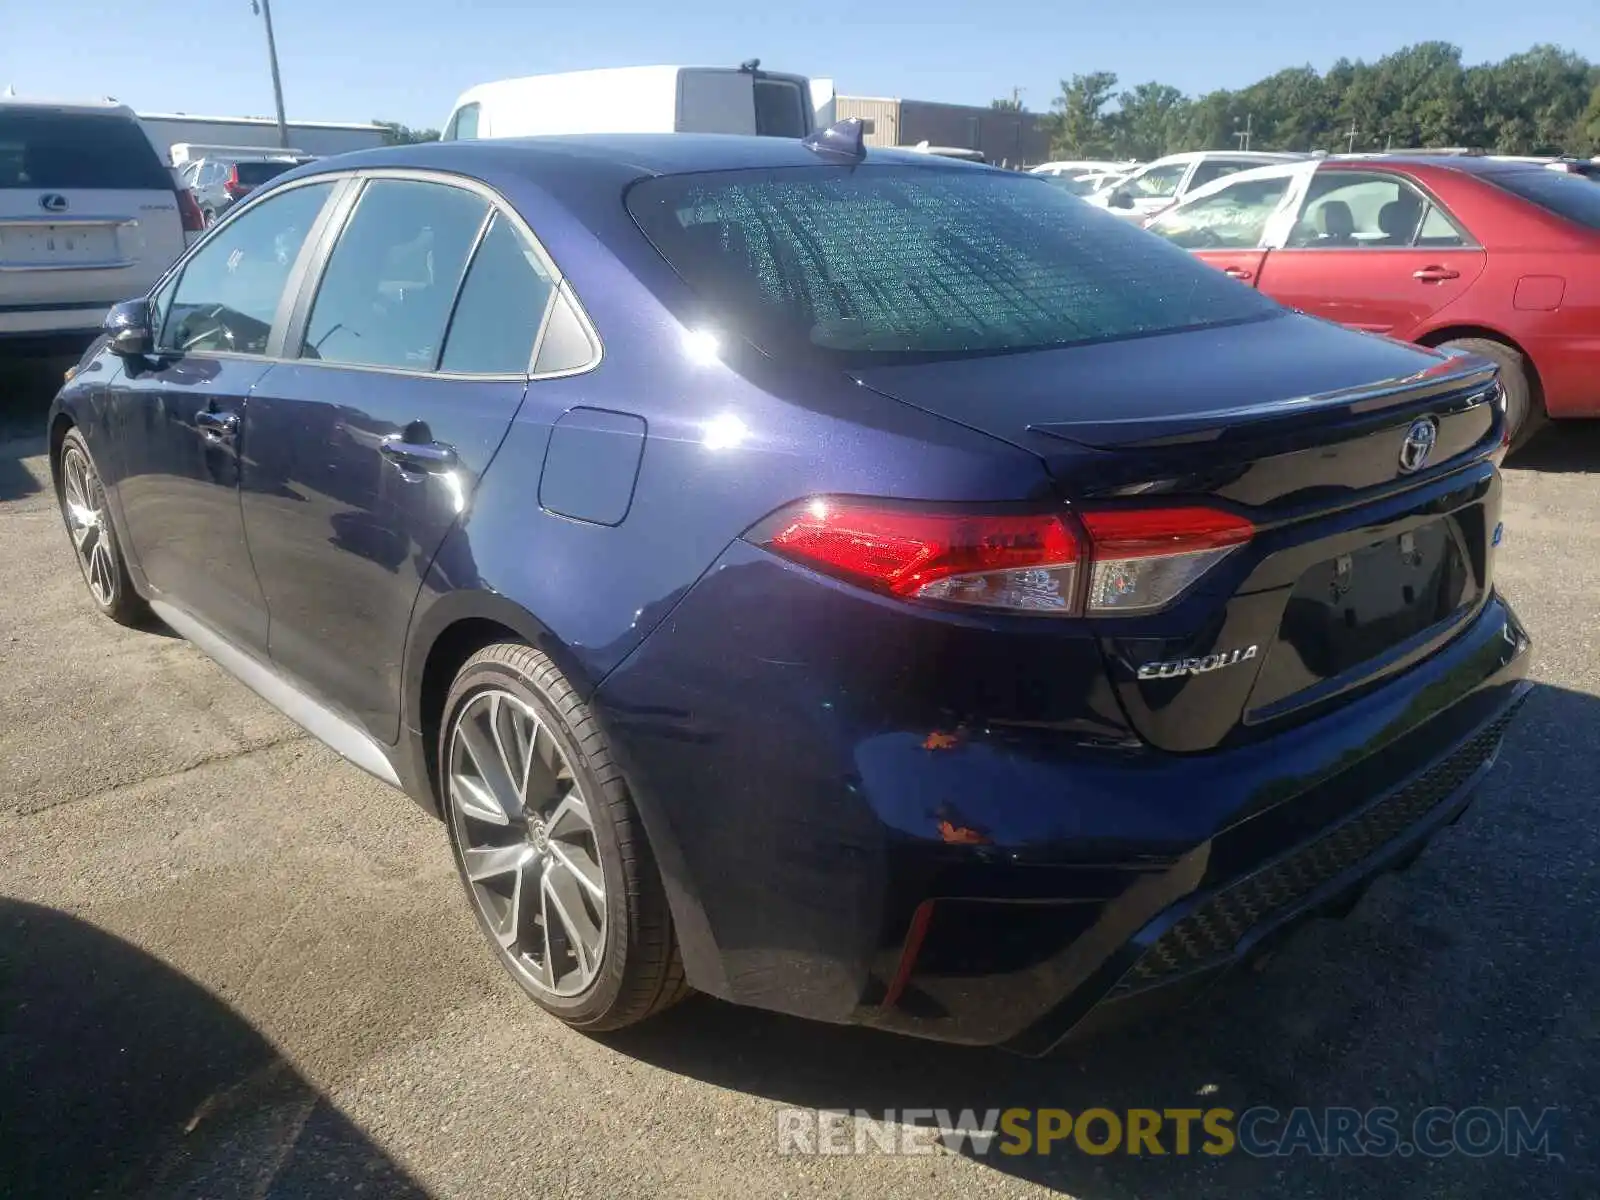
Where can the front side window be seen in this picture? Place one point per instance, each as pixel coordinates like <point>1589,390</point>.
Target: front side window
<point>229,291</point>
<point>502,303</point>
<point>1350,210</point>
<point>1156,183</point>
<point>391,280</point>
<point>1232,218</point>
<point>879,263</point>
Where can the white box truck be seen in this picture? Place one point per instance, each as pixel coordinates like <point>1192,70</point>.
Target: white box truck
<point>663,99</point>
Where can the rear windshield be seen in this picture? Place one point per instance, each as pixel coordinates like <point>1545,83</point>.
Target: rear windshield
<point>59,150</point>
<point>882,262</point>
<point>1570,196</point>
<point>259,172</point>
<point>780,108</point>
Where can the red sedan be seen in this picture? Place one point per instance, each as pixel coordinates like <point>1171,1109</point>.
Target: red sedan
<point>1500,258</point>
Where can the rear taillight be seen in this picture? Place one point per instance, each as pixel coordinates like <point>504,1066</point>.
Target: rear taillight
<point>1020,561</point>
<point>1143,559</point>
<point>1103,562</point>
<point>189,212</point>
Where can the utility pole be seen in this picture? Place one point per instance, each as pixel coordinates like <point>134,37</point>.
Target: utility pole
<point>264,9</point>
<point>1244,134</point>
<point>1351,134</point>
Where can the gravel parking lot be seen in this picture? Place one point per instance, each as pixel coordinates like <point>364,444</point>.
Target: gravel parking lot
<point>232,965</point>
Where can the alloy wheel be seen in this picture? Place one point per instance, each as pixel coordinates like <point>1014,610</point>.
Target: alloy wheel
<point>84,502</point>
<point>527,843</point>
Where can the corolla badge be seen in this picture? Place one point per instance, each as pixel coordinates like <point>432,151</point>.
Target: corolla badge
<point>1419,443</point>
<point>1173,668</point>
<point>53,202</point>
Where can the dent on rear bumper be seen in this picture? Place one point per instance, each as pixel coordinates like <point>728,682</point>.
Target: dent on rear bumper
<point>798,838</point>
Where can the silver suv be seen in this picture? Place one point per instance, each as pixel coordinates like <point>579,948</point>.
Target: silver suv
<point>88,216</point>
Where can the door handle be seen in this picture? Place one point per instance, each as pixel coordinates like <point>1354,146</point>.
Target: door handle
<point>424,456</point>
<point>1435,274</point>
<point>1236,272</point>
<point>217,424</point>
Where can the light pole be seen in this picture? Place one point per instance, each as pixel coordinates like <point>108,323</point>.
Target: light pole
<point>263,8</point>
<point>1243,135</point>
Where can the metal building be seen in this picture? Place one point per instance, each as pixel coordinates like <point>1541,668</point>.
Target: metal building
<point>314,137</point>
<point>1003,136</point>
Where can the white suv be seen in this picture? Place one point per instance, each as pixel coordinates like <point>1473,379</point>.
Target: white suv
<point>1156,187</point>
<point>89,216</point>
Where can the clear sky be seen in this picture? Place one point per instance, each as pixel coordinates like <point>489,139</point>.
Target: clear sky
<point>404,60</point>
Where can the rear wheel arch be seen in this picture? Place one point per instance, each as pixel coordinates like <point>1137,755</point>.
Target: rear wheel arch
<point>1536,414</point>
<point>1455,333</point>
<point>449,634</point>
<point>58,435</point>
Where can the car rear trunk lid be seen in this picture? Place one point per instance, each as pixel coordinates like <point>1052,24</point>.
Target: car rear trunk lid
<point>1361,562</point>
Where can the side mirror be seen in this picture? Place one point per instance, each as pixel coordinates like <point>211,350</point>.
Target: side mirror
<point>128,329</point>
<point>1120,199</point>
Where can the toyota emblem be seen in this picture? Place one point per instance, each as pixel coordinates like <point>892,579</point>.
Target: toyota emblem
<point>1419,443</point>
<point>53,202</point>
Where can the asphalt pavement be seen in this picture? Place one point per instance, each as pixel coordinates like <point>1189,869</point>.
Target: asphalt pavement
<point>232,965</point>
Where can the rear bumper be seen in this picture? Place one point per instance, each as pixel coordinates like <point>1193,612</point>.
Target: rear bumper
<point>1006,886</point>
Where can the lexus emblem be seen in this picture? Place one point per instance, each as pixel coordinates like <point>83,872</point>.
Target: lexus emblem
<point>53,202</point>
<point>1419,443</point>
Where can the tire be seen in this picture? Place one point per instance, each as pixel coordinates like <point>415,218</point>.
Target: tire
<point>87,514</point>
<point>525,859</point>
<point>208,218</point>
<point>1524,414</point>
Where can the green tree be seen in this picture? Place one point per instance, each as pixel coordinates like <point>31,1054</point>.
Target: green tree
<point>396,134</point>
<point>1078,127</point>
<point>1545,100</point>
<point>1149,121</point>
<point>1586,131</point>
<point>1007,104</point>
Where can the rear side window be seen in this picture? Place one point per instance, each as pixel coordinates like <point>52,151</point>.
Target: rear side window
<point>501,306</point>
<point>780,108</point>
<point>1350,210</point>
<point>44,148</point>
<point>392,278</point>
<point>257,173</point>
<point>464,125</point>
<point>1570,196</point>
<point>1211,170</point>
<point>880,262</point>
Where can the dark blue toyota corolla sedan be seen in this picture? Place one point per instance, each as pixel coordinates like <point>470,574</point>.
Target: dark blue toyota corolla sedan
<point>864,585</point>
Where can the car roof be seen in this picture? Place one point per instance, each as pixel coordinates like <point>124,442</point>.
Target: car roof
<point>1466,164</point>
<point>1265,156</point>
<point>98,108</point>
<point>623,156</point>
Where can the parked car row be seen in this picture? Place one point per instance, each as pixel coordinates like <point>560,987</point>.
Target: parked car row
<point>1493,255</point>
<point>219,182</point>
